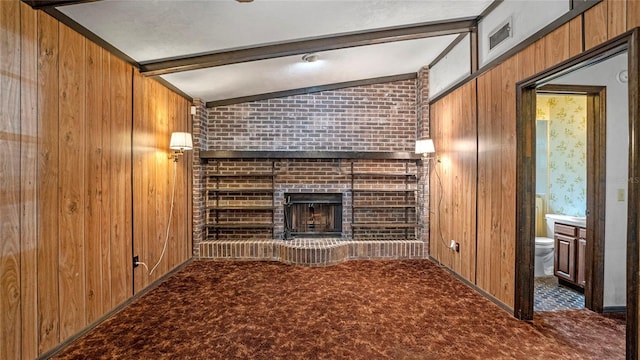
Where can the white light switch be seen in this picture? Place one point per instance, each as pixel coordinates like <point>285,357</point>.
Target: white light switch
<point>620,194</point>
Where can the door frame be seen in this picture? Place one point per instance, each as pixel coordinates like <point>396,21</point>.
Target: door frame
<point>525,176</point>
<point>596,184</point>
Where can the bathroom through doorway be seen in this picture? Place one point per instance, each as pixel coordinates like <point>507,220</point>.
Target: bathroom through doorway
<point>566,117</point>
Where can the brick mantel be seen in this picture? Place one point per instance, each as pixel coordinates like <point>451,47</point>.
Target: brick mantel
<point>221,154</point>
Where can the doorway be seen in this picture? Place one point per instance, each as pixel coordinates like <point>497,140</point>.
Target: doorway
<point>570,178</point>
<point>629,44</point>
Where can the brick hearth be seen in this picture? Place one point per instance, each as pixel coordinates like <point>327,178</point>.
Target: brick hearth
<point>312,252</point>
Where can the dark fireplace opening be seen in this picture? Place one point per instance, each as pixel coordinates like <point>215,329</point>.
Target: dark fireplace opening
<point>312,215</point>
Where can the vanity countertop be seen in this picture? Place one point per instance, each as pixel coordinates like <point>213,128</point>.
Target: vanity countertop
<point>569,220</point>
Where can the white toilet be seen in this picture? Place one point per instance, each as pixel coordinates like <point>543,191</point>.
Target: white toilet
<point>545,247</point>
<point>544,256</point>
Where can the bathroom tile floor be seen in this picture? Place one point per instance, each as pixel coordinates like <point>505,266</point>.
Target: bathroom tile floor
<point>548,295</point>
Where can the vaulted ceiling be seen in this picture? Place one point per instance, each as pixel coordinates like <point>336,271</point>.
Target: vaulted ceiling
<point>226,50</point>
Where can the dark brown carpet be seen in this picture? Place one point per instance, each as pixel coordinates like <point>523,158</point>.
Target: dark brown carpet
<point>357,310</point>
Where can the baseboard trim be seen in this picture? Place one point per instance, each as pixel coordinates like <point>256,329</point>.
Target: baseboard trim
<point>58,348</point>
<point>475,287</point>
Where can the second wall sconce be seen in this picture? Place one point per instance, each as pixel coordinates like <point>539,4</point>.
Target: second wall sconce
<point>180,141</point>
<point>425,146</point>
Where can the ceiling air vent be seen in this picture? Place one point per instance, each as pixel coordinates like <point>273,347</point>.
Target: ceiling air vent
<point>500,34</point>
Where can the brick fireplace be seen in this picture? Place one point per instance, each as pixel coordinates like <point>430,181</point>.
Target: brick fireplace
<point>313,179</point>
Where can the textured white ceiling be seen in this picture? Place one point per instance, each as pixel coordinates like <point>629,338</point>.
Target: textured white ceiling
<point>149,30</point>
<point>333,66</point>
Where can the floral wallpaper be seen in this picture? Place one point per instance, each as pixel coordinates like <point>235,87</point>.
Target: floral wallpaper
<point>567,152</point>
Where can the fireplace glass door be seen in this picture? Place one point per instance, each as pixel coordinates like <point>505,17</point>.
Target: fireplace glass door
<point>313,215</point>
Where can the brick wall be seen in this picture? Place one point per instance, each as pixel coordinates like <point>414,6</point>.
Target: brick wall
<point>199,119</point>
<point>422,103</point>
<point>380,117</point>
<point>373,118</point>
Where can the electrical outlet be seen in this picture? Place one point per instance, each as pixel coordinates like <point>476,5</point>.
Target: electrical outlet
<point>135,261</point>
<point>457,247</point>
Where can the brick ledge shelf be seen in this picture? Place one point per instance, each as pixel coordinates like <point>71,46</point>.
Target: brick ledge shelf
<point>312,252</point>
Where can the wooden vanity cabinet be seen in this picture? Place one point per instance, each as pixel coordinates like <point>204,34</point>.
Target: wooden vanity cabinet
<point>565,259</point>
<point>570,246</point>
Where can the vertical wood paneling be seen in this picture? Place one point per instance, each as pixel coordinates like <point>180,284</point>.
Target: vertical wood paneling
<point>176,123</point>
<point>540,59</point>
<point>491,257</point>
<point>434,230</point>
<point>575,36</point>
<point>464,179</point>
<point>141,143</point>
<point>595,25</point>
<point>633,14</point>
<point>484,91</point>
<point>120,181</point>
<point>447,180</point>
<point>71,152</point>
<point>28,179</point>
<point>107,151</point>
<point>460,127</point>
<point>473,179</point>
<point>617,17</point>
<point>148,176</point>
<point>455,191</point>
<point>93,183</point>
<point>172,184</point>
<point>508,180</point>
<point>436,181</point>
<point>65,204</point>
<point>526,62</point>
<point>10,319</point>
<point>557,45</point>
<point>495,169</point>
<point>157,113</point>
<point>48,187</point>
<point>447,183</point>
<point>156,233</point>
<point>164,175</point>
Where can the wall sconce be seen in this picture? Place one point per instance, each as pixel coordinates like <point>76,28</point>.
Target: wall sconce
<point>425,147</point>
<point>180,141</point>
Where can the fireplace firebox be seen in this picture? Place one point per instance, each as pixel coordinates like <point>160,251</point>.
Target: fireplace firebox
<point>312,215</point>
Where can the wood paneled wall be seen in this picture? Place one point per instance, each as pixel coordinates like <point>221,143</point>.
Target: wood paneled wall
<point>453,181</point>
<point>496,139</point>
<point>157,113</point>
<point>66,201</point>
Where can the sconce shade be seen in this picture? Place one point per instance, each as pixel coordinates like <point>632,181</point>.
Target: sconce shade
<point>425,146</point>
<point>181,141</point>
